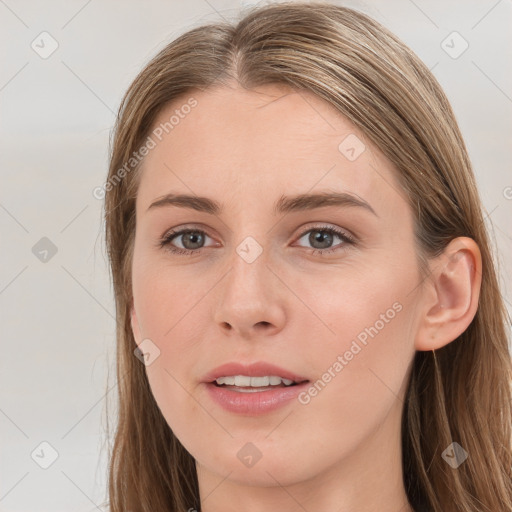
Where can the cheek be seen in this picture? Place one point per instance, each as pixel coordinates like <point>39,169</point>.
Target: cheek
<point>167,305</point>
<point>363,303</point>
<point>163,300</point>
<point>360,340</point>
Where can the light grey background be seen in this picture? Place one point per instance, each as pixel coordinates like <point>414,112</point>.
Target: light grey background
<point>57,317</point>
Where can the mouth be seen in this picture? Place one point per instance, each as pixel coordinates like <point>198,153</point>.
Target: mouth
<point>253,389</point>
<point>248,384</point>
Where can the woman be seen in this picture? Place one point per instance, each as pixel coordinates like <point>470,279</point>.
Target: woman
<point>308,313</point>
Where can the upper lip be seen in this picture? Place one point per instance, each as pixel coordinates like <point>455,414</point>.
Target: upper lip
<point>257,369</point>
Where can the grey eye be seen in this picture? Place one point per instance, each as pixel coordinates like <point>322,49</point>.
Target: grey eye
<point>191,239</point>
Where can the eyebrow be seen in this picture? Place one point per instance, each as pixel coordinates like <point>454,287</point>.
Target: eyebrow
<point>284,204</point>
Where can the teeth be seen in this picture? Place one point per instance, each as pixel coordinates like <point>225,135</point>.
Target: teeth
<point>245,381</point>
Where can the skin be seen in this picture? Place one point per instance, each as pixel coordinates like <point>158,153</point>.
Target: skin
<point>291,307</point>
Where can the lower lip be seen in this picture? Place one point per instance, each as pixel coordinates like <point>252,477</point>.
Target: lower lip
<point>255,402</point>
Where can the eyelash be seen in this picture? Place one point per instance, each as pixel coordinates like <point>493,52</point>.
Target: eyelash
<point>165,242</point>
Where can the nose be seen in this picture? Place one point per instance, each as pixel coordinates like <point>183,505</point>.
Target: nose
<point>251,299</point>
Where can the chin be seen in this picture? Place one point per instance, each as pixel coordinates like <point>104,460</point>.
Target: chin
<point>259,463</point>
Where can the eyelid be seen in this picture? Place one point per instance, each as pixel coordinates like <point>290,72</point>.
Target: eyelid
<point>321,226</point>
<point>185,227</point>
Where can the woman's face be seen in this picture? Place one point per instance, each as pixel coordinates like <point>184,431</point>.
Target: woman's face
<point>264,280</point>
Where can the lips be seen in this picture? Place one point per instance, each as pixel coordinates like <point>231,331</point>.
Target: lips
<point>257,369</point>
<point>252,401</point>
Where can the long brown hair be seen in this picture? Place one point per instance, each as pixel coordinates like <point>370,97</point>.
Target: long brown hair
<point>460,392</point>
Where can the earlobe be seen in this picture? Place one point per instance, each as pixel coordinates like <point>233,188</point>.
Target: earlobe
<point>453,291</point>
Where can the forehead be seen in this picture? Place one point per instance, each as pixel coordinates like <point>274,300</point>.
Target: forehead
<point>251,144</point>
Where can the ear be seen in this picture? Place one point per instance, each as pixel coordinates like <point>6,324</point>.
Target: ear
<point>451,294</point>
<point>135,324</point>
